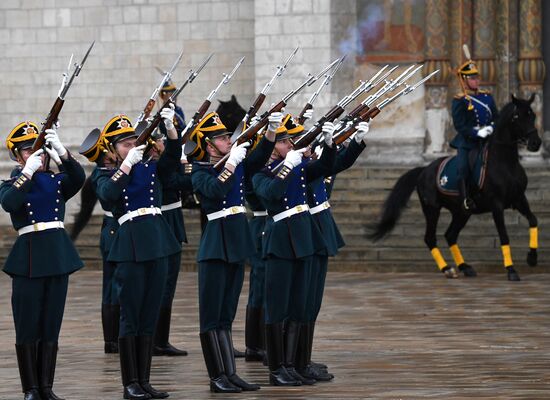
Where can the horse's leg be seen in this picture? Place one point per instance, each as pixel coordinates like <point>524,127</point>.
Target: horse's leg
<point>432,217</point>
<point>457,224</point>
<point>498,217</point>
<point>523,207</point>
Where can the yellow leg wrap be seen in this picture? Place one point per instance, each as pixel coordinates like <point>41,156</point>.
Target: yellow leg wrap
<point>507,255</point>
<point>534,238</point>
<point>440,261</point>
<point>457,255</point>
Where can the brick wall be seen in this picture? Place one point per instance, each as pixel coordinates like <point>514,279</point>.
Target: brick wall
<point>38,37</point>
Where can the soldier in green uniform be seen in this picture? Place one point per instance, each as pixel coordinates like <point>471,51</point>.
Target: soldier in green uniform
<point>140,247</point>
<point>225,243</point>
<point>94,150</point>
<point>43,256</point>
<point>474,115</point>
<point>290,241</point>
<point>318,194</point>
<point>180,180</point>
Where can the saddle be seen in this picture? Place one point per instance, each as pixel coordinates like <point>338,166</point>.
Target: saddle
<point>447,175</point>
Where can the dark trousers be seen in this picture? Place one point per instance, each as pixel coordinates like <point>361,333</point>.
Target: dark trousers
<point>317,287</point>
<point>109,290</point>
<point>140,288</point>
<point>174,262</point>
<point>38,305</point>
<point>287,285</point>
<point>463,163</point>
<point>257,282</point>
<point>220,285</point>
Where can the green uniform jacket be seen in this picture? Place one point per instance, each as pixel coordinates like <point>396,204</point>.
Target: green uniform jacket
<point>145,237</point>
<point>227,239</point>
<point>297,236</point>
<point>42,199</point>
<point>178,180</point>
<point>110,224</point>
<point>319,191</point>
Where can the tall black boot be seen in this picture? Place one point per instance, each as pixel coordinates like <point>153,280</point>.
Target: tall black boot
<point>128,369</point>
<point>292,335</point>
<point>214,364</point>
<point>162,345</point>
<point>253,335</point>
<point>46,361</point>
<point>278,375</point>
<point>311,370</point>
<point>26,359</point>
<point>467,202</point>
<point>226,348</point>
<point>144,349</point>
<point>110,321</point>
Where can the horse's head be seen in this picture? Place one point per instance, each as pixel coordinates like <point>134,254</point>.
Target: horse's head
<point>522,122</point>
<point>231,113</point>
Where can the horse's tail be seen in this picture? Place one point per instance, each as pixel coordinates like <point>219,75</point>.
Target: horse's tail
<point>88,199</point>
<point>395,203</point>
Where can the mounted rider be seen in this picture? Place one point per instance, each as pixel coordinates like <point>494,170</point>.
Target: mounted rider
<point>474,115</point>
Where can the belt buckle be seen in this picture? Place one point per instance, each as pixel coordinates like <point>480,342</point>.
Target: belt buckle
<point>299,208</point>
<point>326,205</point>
<point>141,211</point>
<point>39,226</point>
<point>234,210</point>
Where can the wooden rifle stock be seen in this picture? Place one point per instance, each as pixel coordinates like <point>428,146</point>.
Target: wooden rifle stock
<point>301,118</point>
<point>196,119</point>
<point>50,120</point>
<point>310,136</point>
<point>253,110</point>
<point>365,115</point>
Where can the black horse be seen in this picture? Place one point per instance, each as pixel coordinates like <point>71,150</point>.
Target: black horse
<point>504,187</point>
<point>231,113</point>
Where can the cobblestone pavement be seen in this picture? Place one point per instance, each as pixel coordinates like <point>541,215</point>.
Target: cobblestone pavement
<point>390,336</point>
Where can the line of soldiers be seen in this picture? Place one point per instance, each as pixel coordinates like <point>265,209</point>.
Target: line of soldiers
<point>287,241</point>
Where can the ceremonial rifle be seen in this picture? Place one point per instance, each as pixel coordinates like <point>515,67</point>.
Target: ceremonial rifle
<point>253,130</point>
<point>66,83</point>
<point>369,114</point>
<point>152,100</point>
<point>306,139</point>
<point>326,81</point>
<point>145,129</point>
<point>253,110</point>
<point>194,121</point>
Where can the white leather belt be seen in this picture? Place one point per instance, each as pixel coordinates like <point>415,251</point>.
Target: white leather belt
<point>108,214</point>
<point>317,209</point>
<point>259,213</point>
<point>41,226</point>
<point>140,212</point>
<point>224,213</point>
<point>290,212</point>
<point>171,206</point>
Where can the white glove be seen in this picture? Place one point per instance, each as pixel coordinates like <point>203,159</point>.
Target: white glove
<point>167,114</point>
<point>308,114</point>
<point>485,131</point>
<point>53,155</point>
<point>53,140</point>
<point>318,151</point>
<point>293,158</point>
<point>33,163</point>
<point>237,154</point>
<point>275,120</point>
<point>328,131</point>
<point>362,130</point>
<point>254,120</point>
<point>134,156</point>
